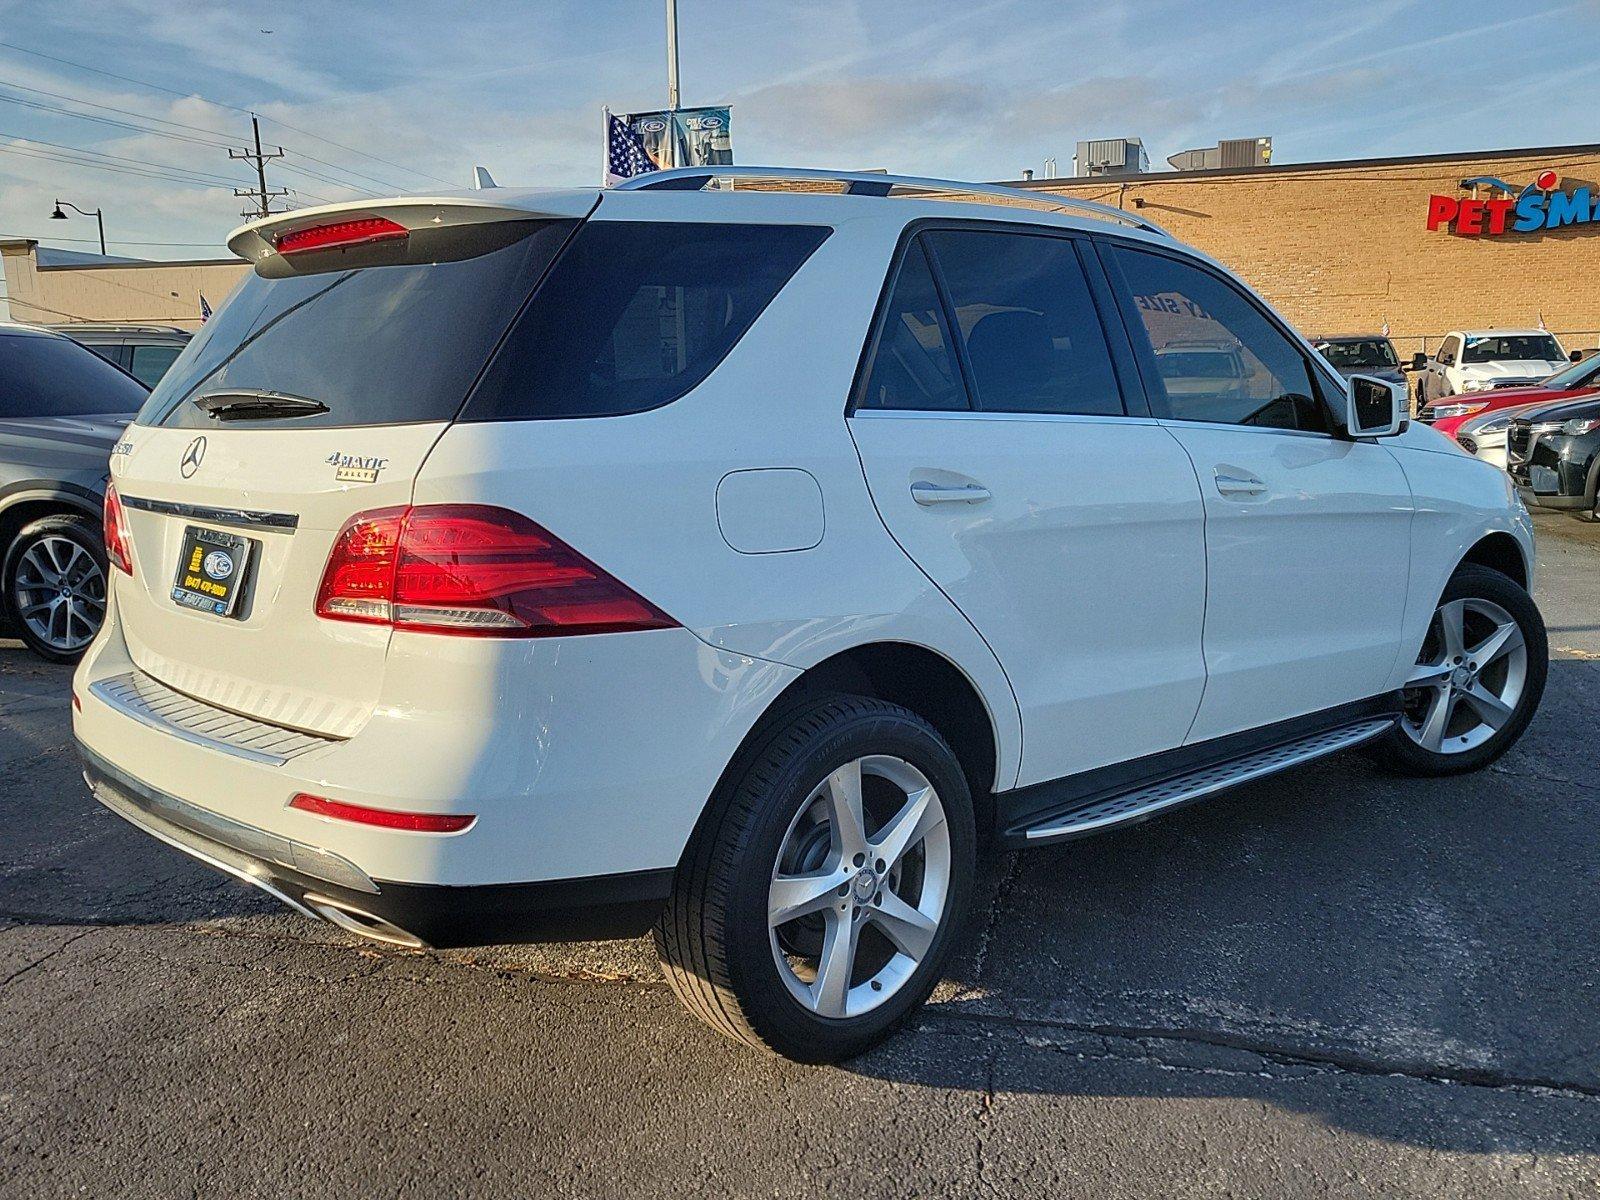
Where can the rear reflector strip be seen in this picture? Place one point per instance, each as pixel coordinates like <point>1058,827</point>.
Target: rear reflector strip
<point>385,818</point>
<point>361,232</point>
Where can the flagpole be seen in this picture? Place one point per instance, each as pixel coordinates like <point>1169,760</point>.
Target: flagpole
<point>672,83</point>
<point>605,144</point>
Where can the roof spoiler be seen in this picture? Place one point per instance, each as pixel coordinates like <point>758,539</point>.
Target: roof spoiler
<point>257,243</point>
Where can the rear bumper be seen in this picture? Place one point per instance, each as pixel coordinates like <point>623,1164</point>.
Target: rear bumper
<point>318,884</point>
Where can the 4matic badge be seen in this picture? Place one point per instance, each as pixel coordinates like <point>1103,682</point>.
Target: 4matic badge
<point>352,468</point>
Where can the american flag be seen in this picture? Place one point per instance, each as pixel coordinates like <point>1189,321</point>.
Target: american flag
<point>205,309</point>
<point>625,153</point>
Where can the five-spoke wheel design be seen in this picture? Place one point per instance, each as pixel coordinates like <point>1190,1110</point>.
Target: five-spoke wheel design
<point>860,886</point>
<point>1469,678</point>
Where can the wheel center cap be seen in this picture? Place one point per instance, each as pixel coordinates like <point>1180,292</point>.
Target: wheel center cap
<point>1462,677</point>
<point>865,885</point>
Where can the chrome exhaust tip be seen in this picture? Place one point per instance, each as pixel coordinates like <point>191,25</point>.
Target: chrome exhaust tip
<point>361,923</point>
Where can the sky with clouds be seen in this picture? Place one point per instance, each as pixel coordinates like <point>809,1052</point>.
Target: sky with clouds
<point>404,94</point>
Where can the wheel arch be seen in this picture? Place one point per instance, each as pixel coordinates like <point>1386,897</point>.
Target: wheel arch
<point>1501,552</point>
<point>21,507</point>
<point>923,680</point>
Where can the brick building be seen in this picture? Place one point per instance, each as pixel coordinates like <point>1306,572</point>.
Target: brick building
<point>46,287</point>
<point>1343,247</point>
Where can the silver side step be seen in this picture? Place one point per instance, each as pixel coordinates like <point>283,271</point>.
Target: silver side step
<point>1129,807</point>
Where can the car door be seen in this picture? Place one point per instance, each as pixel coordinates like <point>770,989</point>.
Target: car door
<point>991,426</point>
<point>1447,357</point>
<point>1307,531</point>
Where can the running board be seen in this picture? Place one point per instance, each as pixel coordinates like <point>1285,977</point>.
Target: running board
<point>1129,807</point>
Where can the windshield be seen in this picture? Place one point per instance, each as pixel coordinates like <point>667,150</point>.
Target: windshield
<point>1207,364</point>
<point>377,345</point>
<point>53,377</point>
<point>1366,352</point>
<point>1519,347</point>
<point>1578,375</point>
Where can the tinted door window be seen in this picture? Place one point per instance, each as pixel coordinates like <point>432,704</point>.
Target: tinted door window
<point>913,366</point>
<point>52,377</point>
<point>1215,355</point>
<point>1028,322</point>
<point>150,363</point>
<point>635,314</point>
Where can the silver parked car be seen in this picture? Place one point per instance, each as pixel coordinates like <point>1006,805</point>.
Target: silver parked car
<point>62,409</point>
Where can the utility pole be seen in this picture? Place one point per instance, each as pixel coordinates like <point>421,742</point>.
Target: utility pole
<point>671,142</point>
<point>263,195</point>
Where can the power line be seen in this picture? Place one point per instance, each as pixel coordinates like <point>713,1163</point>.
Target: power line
<point>127,112</point>
<point>95,241</point>
<point>219,104</point>
<point>54,156</point>
<point>263,194</point>
<point>124,158</point>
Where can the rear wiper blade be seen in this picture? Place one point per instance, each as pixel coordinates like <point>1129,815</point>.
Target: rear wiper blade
<point>252,404</point>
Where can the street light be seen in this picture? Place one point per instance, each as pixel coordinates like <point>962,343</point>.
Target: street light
<point>58,215</point>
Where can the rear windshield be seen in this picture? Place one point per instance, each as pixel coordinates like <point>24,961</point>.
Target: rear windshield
<point>635,314</point>
<point>1512,348</point>
<point>378,345</point>
<point>1368,352</point>
<point>52,377</point>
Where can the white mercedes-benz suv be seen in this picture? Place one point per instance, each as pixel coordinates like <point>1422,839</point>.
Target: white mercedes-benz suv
<point>740,555</point>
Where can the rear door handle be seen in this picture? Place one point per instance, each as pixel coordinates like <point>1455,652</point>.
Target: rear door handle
<point>937,493</point>
<point>1234,485</point>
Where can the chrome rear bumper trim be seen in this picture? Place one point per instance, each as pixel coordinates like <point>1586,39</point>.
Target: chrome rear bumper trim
<point>243,851</point>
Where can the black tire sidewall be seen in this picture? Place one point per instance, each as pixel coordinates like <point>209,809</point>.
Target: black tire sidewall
<point>1475,582</point>
<point>80,530</point>
<point>773,1012</point>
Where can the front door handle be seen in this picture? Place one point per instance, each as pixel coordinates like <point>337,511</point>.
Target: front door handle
<point>937,493</point>
<point>1235,485</point>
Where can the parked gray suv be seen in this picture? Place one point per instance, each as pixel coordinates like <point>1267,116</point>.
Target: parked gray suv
<point>62,409</point>
<point>144,351</point>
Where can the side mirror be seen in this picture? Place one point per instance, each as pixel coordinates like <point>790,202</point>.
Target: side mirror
<point>1375,408</point>
<point>1575,356</point>
<point>1419,361</point>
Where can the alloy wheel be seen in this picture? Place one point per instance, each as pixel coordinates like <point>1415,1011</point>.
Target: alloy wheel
<point>59,593</point>
<point>860,886</point>
<point>1469,678</point>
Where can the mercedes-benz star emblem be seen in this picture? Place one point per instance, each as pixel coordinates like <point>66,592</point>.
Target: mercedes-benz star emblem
<point>193,456</point>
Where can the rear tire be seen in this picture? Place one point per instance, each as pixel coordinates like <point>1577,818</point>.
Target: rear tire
<point>54,580</point>
<point>1478,680</point>
<point>773,841</point>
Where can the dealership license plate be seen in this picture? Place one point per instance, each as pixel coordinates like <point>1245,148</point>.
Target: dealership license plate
<point>211,570</point>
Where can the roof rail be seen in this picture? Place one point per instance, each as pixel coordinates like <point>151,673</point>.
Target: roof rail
<point>873,183</point>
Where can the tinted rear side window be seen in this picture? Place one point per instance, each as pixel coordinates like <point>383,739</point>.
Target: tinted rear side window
<point>52,377</point>
<point>912,364</point>
<point>378,345</point>
<point>1029,323</point>
<point>636,314</point>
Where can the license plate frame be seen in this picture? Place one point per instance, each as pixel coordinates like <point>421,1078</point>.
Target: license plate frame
<point>202,554</point>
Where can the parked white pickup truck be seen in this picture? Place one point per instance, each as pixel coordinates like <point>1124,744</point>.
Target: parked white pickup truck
<point>1486,360</point>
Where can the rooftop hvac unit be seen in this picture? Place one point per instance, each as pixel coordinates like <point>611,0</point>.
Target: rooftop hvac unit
<point>1232,154</point>
<point>1112,156</point>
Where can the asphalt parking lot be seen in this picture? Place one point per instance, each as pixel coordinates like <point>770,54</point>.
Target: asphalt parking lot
<point>1332,983</point>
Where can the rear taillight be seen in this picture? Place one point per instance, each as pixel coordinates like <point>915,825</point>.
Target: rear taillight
<point>384,818</point>
<point>360,232</point>
<point>119,546</point>
<point>472,569</point>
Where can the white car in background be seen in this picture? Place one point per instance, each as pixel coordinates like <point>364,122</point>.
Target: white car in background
<point>1469,361</point>
<point>1484,436</point>
<point>740,563</point>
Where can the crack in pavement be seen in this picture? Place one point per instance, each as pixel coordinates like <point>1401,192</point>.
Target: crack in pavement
<point>1287,1056</point>
<point>21,971</point>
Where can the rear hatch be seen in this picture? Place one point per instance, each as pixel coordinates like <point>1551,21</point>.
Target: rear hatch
<point>314,393</point>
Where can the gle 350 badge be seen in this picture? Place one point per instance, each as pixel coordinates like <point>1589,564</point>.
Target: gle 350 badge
<point>352,468</point>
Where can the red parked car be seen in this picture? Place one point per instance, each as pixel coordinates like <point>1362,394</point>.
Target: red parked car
<point>1580,379</point>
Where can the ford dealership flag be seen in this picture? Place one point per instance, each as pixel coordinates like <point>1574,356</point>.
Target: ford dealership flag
<point>686,137</point>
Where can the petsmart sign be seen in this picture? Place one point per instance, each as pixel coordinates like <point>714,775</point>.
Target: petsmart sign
<point>1540,205</point>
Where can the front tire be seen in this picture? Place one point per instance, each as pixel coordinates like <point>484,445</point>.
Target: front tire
<point>1477,681</point>
<point>54,578</point>
<point>817,903</point>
